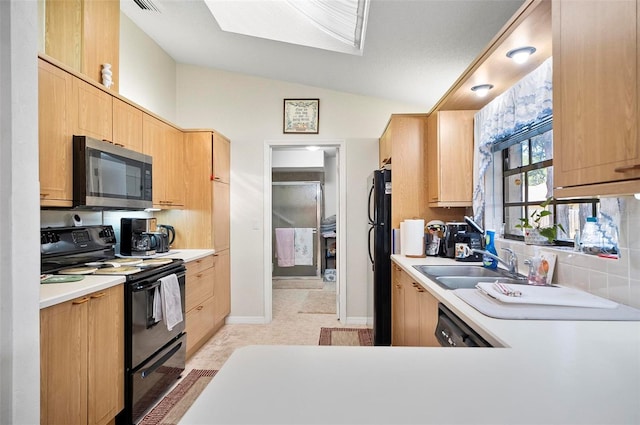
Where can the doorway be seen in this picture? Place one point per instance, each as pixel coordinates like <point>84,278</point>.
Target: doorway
<point>304,197</point>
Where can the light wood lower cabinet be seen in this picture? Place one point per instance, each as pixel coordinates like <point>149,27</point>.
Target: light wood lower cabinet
<point>199,304</point>
<point>222,289</point>
<point>414,312</point>
<point>82,359</point>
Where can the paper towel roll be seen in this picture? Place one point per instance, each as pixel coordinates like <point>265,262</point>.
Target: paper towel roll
<point>403,229</point>
<point>413,238</point>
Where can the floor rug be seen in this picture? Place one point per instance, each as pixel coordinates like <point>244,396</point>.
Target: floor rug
<point>320,302</point>
<point>175,404</point>
<point>298,284</point>
<point>346,336</point>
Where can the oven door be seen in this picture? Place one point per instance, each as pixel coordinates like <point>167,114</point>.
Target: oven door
<point>155,377</point>
<point>148,335</point>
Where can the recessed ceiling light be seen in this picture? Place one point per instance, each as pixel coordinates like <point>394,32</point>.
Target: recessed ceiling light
<point>482,90</point>
<point>521,55</point>
<point>313,148</point>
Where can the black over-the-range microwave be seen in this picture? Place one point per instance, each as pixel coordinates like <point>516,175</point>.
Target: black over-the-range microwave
<point>106,176</point>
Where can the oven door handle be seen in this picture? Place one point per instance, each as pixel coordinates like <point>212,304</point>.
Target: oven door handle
<point>161,361</point>
<point>140,288</point>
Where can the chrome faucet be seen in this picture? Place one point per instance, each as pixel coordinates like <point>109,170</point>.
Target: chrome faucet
<point>511,262</point>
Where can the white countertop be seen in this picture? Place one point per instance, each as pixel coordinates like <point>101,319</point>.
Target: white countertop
<point>562,372</point>
<point>55,293</point>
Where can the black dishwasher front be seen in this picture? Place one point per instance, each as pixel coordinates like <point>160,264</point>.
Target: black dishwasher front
<point>451,331</point>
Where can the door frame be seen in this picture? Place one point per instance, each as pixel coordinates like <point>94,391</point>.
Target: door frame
<point>341,216</point>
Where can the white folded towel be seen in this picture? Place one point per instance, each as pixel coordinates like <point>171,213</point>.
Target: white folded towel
<point>167,303</point>
<point>303,246</point>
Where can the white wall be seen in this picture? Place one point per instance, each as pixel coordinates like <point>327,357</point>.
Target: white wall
<point>19,191</point>
<point>147,73</point>
<point>249,110</point>
<point>298,158</point>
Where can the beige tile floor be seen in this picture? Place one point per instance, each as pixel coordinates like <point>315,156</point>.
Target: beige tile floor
<point>288,327</point>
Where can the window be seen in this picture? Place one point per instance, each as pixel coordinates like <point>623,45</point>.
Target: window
<point>528,181</point>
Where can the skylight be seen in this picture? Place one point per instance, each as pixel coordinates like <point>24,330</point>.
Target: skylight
<point>337,25</point>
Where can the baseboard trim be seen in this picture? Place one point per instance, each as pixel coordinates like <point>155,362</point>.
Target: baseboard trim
<point>245,320</point>
<point>357,321</point>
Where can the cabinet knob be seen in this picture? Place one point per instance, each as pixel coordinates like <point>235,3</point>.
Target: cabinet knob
<point>200,307</point>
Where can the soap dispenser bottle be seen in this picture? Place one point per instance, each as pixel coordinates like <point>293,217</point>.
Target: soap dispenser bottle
<point>490,247</point>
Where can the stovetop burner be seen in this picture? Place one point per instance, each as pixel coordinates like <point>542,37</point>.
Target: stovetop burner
<point>91,250</point>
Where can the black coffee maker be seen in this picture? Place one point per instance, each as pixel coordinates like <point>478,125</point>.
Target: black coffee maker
<point>462,234</point>
<point>139,236</point>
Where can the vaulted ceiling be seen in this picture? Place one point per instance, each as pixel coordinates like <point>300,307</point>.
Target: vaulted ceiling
<point>414,50</point>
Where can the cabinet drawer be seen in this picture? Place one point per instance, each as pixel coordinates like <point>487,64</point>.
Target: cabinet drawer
<point>199,322</point>
<point>199,287</point>
<point>197,266</point>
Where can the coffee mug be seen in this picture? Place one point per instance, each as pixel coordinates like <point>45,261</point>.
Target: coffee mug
<point>463,250</point>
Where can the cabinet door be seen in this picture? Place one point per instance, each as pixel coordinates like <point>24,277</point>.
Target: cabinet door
<point>63,359</point>
<point>175,166</point>
<point>385,148</point>
<point>101,39</point>
<point>221,158</point>
<point>154,143</point>
<point>450,158</point>
<point>221,219</point>
<point>166,145</point>
<point>200,322</point>
<point>200,277</point>
<point>397,307</point>
<point>411,311</point>
<point>56,111</point>
<point>409,153</point>
<point>428,306</point>
<point>95,111</point>
<point>595,80</point>
<point>127,125</point>
<point>222,285</point>
<point>105,355</point>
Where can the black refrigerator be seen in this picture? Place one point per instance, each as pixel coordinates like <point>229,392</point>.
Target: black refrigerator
<point>380,254</point>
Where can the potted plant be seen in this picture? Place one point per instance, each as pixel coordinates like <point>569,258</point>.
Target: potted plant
<point>534,233</point>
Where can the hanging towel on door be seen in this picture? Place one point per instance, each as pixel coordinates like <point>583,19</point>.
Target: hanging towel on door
<point>285,246</point>
<point>167,303</point>
<point>303,246</point>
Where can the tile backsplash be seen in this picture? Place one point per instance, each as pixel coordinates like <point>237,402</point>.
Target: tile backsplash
<point>615,279</point>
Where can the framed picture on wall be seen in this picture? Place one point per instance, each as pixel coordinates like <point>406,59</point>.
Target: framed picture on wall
<point>301,116</point>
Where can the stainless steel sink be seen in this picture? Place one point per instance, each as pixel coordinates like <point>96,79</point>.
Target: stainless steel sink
<point>465,275</point>
<point>456,282</point>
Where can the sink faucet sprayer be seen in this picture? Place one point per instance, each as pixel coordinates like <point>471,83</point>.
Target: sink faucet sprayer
<point>511,262</point>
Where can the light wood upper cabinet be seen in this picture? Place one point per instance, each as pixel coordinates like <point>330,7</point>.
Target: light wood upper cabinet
<point>595,89</point>
<point>450,158</point>
<point>385,149</point>
<point>81,356</point>
<point>84,34</point>
<point>166,145</point>
<point>127,125</point>
<point>221,158</point>
<point>56,111</point>
<point>94,111</point>
<point>408,174</point>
